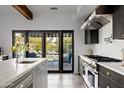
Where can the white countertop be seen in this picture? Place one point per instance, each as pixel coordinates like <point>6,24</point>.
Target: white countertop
<point>11,71</point>
<point>114,66</point>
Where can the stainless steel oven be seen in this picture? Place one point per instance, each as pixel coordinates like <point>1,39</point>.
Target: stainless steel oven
<point>89,72</point>
<point>92,77</point>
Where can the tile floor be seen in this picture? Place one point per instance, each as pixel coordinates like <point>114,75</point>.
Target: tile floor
<point>65,81</point>
<point>55,66</point>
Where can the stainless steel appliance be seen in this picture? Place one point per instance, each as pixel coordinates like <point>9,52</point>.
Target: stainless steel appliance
<point>97,20</point>
<point>88,68</point>
<point>88,72</point>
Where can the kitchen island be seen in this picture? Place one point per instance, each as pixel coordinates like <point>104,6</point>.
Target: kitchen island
<point>13,74</point>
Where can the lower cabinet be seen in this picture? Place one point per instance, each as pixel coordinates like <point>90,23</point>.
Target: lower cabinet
<point>103,81</point>
<point>40,76</point>
<point>106,82</point>
<point>36,78</point>
<point>108,78</point>
<point>115,84</point>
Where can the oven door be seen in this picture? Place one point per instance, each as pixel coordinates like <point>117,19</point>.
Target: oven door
<point>92,78</point>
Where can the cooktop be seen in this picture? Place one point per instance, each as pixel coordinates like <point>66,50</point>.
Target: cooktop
<point>103,59</point>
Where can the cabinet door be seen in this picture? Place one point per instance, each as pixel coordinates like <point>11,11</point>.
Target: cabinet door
<point>118,22</point>
<point>114,84</point>
<point>103,81</point>
<point>91,36</point>
<point>94,36</point>
<point>117,78</point>
<point>37,77</point>
<point>81,69</point>
<point>40,77</point>
<point>44,76</point>
<point>87,37</point>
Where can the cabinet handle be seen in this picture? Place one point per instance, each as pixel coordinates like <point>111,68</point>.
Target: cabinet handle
<point>108,73</point>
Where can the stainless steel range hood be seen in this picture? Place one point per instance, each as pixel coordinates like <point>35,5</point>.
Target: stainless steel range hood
<point>96,21</point>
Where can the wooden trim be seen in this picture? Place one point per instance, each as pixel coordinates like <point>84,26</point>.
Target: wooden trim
<point>23,9</point>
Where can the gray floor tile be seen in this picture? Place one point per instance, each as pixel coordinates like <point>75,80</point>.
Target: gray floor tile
<point>65,81</point>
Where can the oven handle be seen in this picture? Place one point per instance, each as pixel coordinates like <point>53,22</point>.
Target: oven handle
<point>93,72</point>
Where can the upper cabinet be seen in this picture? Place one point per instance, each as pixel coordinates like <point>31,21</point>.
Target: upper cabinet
<point>118,22</point>
<point>104,14</point>
<point>91,36</point>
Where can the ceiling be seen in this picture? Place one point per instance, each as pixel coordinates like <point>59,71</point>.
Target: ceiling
<point>80,11</point>
<point>46,9</point>
<point>84,11</point>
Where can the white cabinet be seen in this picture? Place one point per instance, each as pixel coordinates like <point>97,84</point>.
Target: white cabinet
<point>40,76</point>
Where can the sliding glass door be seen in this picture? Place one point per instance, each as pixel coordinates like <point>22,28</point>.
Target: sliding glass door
<point>52,50</point>
<point>35,41</point>
<point>67,51</point>
<point>56,46</point>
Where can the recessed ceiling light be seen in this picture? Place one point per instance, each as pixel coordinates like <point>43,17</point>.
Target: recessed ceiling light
<point>53,8</point>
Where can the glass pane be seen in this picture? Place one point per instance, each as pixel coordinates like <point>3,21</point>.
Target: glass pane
<point>52,51</point>
<point>67,51</point>
<point>19,38</point>
<point>35,45</point>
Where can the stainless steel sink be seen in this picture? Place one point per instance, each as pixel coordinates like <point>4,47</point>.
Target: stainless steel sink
<point>27,62</point>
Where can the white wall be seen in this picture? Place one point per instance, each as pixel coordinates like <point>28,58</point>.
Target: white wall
<point>41,22</point>
<point>111,49</point>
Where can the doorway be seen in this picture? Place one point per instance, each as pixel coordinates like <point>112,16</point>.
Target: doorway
<point>52,51</point>
<point>56,46</point>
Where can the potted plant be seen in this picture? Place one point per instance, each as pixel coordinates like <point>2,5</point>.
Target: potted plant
<point>19,49</point>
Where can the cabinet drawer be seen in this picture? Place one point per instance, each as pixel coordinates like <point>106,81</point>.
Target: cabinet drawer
<point>103,70</point>
<point>118,78</point>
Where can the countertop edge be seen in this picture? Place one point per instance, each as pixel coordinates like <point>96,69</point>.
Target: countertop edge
<point>21,74</point>
<point>113,69</point>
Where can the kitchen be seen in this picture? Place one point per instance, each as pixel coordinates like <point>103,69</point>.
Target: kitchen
<point>99,36</point>
<point>105,69</point>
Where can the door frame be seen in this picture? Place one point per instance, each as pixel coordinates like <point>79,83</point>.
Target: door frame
<point>62,32</point>
<point>44,45</point>
<point>54,31</point>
